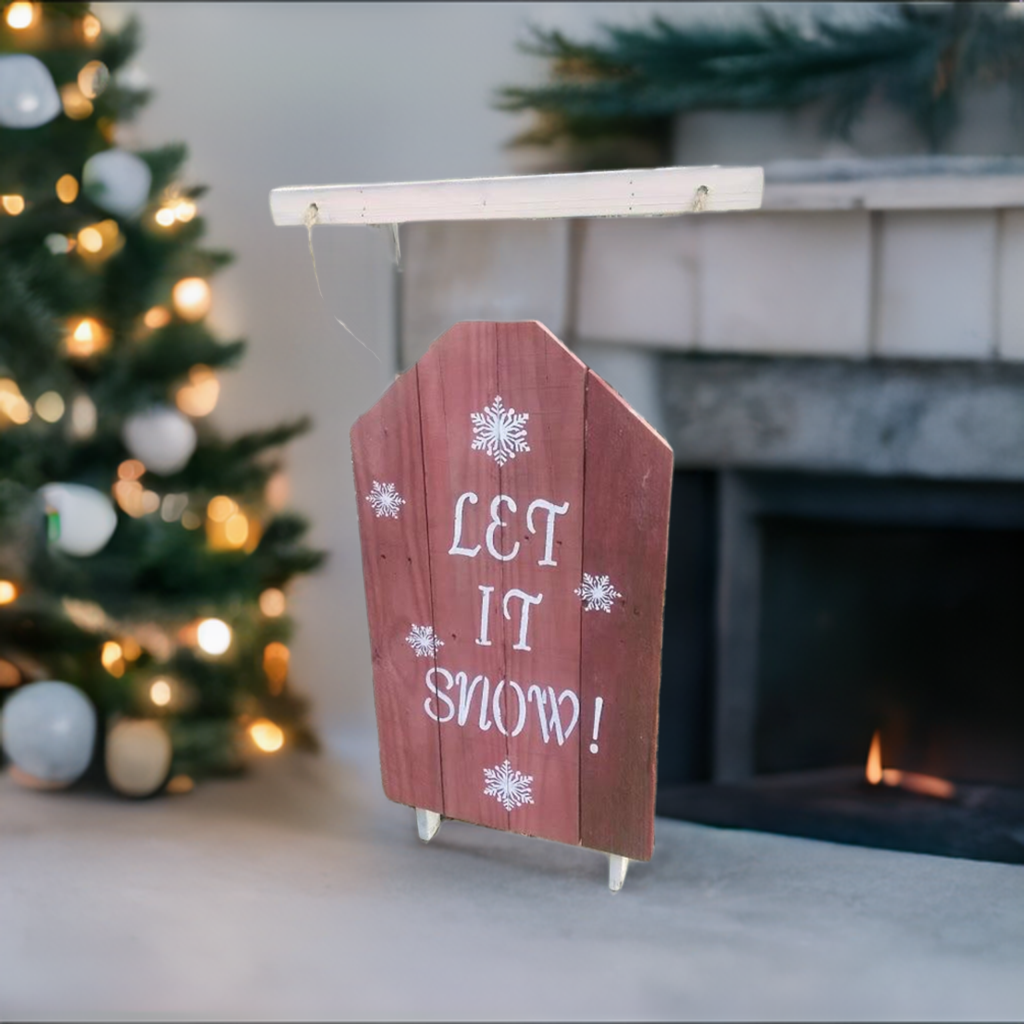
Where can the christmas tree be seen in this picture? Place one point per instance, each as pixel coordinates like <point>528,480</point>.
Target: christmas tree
<point>143,558</point>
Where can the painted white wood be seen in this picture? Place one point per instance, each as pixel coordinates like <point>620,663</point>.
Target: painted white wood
<point>427,823</point>
<point>795,284</point>
<point>936,285</point>
<point>653,192</point>
<point>617,868</point>
<point>918,192</point>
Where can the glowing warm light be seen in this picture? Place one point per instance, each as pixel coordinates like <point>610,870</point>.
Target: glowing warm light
<point>173,507</point>
<point>83,417</point>
<point>180,784</point>
<point>76,106</point>
<point>236,530</point>
<point>93,78</point>
<point>8,591</point>
<point>192,298</point>
<point>131,469</point>
<point>91,28</point>
<point>272,602</point>
<point>213,636</point>
<point>190,520</point>
<point>87,337</point>
<point>278,491</point>
<point>160,692</point>
<point>20,15</point>
<point>275,665</point>
<point>266,735</point>
<point>13,204</point>
<point>873,769</point>
<point>112,657</point>
<point>130,647</point>
<point>221,508</point>
<point>185,211</point>
<point>164,216</point>
<point>9,674</point>
<point>90,240</point>
<point>50,406</point>
<point>67,188</point>
<point>157,317</point>
<point>131,495</point>
<point>199,396</point>
<point>12,403</point>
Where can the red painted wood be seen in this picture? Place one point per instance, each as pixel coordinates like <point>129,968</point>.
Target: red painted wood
<point>628,472</point>
<point>603,477</point>
<point>459,371</point>
<point>386,448</point>
<point>538,375</point>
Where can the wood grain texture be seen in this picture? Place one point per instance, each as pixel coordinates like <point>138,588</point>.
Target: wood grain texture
<point>510,518</point>
<point>628,480</point>
<point>386,448</point>
<point>648,192</point>
<point>459,371</point>
<point>539,375</point>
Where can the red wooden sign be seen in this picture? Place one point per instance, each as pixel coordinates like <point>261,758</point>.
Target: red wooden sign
<point>513,514</point>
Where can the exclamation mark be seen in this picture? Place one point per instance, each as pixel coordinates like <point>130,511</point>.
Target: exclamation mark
<point>598,705</point>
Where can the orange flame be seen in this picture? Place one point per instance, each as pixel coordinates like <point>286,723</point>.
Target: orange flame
<point>873,771</point>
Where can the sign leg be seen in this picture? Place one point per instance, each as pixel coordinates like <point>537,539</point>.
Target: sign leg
<point>427,824</point>
<point>617,868</point>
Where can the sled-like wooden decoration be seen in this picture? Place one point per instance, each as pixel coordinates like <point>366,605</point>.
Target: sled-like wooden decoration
<point>650,192</point>
<point>513,515</point>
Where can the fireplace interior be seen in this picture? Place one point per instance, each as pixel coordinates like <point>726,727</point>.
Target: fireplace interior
<point>812,617</point>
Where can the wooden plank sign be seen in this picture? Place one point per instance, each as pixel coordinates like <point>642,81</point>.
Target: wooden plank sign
<point>513,515</point>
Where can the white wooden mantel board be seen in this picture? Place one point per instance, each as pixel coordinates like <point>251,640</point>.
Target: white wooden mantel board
<point>657,192</point>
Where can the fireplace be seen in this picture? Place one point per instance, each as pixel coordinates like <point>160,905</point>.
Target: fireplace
<point>811,611</point>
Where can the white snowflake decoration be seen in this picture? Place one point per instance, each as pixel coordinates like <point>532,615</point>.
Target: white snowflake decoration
<point>424,641</point>
<point>510,788</point>
<point>596,593</point>
<point>499,431</point>
<point>385,500</point>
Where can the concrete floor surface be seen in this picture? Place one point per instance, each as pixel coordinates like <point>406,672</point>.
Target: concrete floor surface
<point>299,892</point>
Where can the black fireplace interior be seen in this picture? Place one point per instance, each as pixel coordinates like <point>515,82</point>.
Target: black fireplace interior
<point>881,606</point>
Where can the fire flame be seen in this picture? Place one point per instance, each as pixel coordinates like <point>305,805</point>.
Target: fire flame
<point>915,782</point>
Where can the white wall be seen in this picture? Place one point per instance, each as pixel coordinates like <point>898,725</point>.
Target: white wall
<point>286,94</point>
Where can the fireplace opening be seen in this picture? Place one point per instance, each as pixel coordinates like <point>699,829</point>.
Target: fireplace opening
<point>849,615</point>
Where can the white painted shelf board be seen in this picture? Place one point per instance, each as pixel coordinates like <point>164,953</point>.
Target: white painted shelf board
<point>656,192</point>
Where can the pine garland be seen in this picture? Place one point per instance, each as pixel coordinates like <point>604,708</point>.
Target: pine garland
<point>612,100</point>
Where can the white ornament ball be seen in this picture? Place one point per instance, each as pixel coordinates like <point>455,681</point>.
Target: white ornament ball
<point>28,97</point>
<point>161,438</point>
<point>138,756</point>
<point>48,731</point>
<point>118,181</point>
<point>87,517</point>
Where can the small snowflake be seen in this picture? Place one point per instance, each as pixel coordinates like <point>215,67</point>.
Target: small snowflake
<point>509,787</point>
<point>385,500</point>
<point>424,641</point>
<point>499,431</point>
<point>597,593</point>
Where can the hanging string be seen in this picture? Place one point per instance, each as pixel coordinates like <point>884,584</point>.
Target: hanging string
<point>311,218</point>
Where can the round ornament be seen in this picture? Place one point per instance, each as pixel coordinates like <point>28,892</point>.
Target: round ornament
<point>118,181</point>
<point>49,729</point>
<point>138,756</point>
<point>86,517</point>
<point>28,97</point>
<point>161,438</point>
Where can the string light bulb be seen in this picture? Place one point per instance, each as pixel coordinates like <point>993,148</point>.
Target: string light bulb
<point>93,79</point>
<point>20,15</point>
<point>91,28</point>
<point>213,636</point>
<point>192,298</point>
<point>199,396</point>
<point>8,592</point>
<point>12,403</point>
<point>272,602</point>
<point>13,204</point>
<point>76,106</point>
<point>67,188</point>
<point>112,658</point>
<point>275,664</point>
<point>86,337</point>
<point>267,735</point>
<point>156,317</point>
<point>164,216</point>
<point>160,692</point>
<point>50,406</point>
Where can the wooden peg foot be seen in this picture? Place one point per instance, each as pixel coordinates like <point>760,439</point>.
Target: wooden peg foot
<point>617,868</point>
<point>427,824</point>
